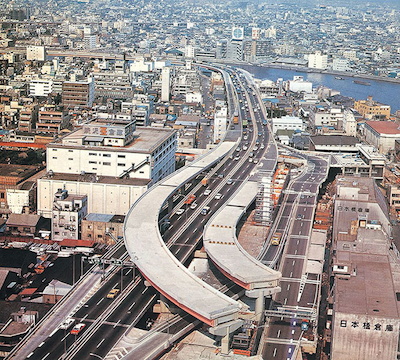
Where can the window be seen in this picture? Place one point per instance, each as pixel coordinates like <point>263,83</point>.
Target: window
<point>55,157</point>
<point>106,155</point>
<point>2,195</point>
<point>92,154</point>
<point>120,164</point>
<point>70,159</point>
<point>70,150</point>
<point>107,163</point>
<point>121,156</point>
<point>343,323</point>
<point>92,162</point>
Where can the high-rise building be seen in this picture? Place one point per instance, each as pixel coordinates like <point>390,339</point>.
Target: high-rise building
<point>166,84</point>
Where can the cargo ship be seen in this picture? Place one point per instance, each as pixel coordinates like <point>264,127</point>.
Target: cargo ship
<point>360,82</point>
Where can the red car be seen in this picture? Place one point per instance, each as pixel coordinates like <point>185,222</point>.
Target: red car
<point>77,328</point>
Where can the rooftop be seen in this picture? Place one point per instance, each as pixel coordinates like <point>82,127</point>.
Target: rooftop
<point>385,127</point>
<point>146,140</point>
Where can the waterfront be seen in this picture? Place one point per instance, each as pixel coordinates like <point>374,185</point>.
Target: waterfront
<point>383,91</point>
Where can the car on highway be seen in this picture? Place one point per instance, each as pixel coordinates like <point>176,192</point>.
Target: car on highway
<point>250,159</point>
<point>77,328</point>
<point>218,196</point>
<point>112,294</point>
<point>193,206</point>
<point>207,192</point>
<point>180,211</point>
<point>229,182</point>
<point>237,158</point>
<point>67,323</point>
<point>220,176</point>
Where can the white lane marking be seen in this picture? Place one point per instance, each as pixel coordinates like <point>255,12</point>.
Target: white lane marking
<point>279,333</point>
<point>100,301</point>
<point>100,343</point>
<point>30,355</point>
<point>293,262</point>
<point>46,356</point>
<point>295,252</point>
<point>128,272</point>
<point>293,331</point>
<point>133,304</point>
<point>285,301</point>
<point>274,353</point>
<point>145,289</point>
<point>64,337</point>
<point>194,230</point>
<point>116,324</point>
<point>85,317</point>
<point>41,344</point>
<point>291,274</point>
<point>298,241</point>
<point>288,287</point>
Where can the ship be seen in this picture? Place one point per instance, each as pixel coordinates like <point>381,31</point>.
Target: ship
<point>360,82</point>
<point>339,78</point>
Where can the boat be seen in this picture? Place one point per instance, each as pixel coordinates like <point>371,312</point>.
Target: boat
<point>360,82</point>
<point>339,78</point>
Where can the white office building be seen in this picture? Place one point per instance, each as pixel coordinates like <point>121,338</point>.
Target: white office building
<point>287,123</point>
<point>220,121</point>
<point>318,61</point>
<point>166,84</point>
<point>40,87</point>
<point>298,84</point>
<point>37,53</point>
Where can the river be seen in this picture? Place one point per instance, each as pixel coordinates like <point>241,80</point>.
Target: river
<point>382,91</point>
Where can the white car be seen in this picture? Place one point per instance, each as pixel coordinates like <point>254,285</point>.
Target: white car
<point>180,211</point>
<point>218,196</point>
<point>207,192</point>
<point>67,323</point>
<point>193,206</point>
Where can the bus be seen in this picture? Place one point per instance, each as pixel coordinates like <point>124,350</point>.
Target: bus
<point>276,238</point>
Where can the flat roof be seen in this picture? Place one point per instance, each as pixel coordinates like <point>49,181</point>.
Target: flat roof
<point>146,140</point>
<point>222,247</point>
<point>93,178</point>
<point>370,291</point>
<point>334,140</point>
<point>159,265</point>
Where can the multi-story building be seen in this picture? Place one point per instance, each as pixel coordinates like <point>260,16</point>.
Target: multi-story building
<point>323,118</point>
<point>78,93</point>
<point>220,120</point>
<point>40,87</point>
<point>381,134</point>
<point>51,120</point>
<point>34,52</point>
<point>287,123</point>
<point>109,160</point>
<point>68,212</point>
<point>166,84</point>
<point>318,60</point>
<point>27,119</point>
<point>103,228</point>
<point>114,85</point>
<point>370,109</point>
<point>366,313</point>
<point>340,64</point>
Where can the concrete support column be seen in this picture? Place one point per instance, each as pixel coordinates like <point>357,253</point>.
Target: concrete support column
<point>225,343</point>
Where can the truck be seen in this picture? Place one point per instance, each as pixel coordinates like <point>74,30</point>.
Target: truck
<point>190,199</point>
<point>204,181</point>
<point>276,238</point>
<point>236,118</point>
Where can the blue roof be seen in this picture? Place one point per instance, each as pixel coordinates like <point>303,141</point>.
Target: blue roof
<point>99,217</point>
